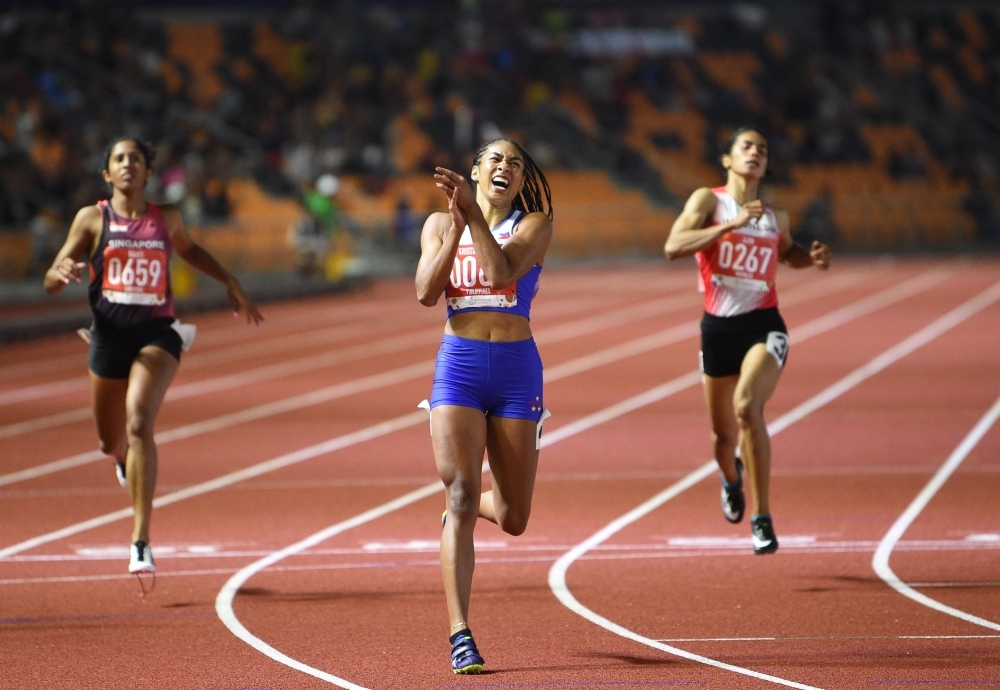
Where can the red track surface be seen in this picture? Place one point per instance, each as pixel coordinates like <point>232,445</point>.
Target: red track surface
<point>366,604</point>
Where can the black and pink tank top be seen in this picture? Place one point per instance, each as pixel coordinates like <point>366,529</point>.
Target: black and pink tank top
<point>130,269</point>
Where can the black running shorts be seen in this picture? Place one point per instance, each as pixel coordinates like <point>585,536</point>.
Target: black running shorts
<point>114,348</point>
<point>725,340</point>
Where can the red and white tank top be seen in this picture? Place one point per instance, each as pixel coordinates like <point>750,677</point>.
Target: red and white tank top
<point>738,272</point>
<point>468,289</point>
<point>129,271</point>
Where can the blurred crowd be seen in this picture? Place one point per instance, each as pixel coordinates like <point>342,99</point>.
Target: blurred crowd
<point>318,88</point>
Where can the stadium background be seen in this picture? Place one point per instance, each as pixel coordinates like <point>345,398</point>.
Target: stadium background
<point>883,120</point>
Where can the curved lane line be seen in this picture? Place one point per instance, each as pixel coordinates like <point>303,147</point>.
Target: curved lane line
<point>224,601</point>
<point>880,561</point>
<point>557,582</point>
<point>864,306</point>
<point>557,574</point>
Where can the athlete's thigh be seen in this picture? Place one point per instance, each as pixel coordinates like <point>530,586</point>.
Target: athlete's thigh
<point>152,371</point>
<point>719,398</point>
<point>758,376</point>
<point>107,397</point>
<point>513,456</point>
<point>458,435</point>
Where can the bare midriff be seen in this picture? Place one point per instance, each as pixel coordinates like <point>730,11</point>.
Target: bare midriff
<point>489,325</point>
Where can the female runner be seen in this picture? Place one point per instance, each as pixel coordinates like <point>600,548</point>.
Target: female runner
<point>485,255</point>
<point>738,241</point>
<point>135,342</point>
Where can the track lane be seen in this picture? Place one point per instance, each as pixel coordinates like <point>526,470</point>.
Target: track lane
<point>503,598</point>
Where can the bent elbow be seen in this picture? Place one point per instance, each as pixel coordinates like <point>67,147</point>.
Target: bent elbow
<point>426,299</point>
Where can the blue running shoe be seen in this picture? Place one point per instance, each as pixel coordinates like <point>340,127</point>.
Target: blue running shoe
<point>465,658</point>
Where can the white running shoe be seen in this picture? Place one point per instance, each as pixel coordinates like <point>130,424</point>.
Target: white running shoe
<point>141,558</point>
<point>120,472</point>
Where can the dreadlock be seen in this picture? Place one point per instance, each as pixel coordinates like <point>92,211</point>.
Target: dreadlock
<point>535,194</point>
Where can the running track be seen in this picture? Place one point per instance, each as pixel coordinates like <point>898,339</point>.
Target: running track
<point>298,511</point>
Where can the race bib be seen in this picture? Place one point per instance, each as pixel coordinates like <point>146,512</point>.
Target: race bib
<point>135,276</point>
<point>746,259</point>
<point>468,286</point>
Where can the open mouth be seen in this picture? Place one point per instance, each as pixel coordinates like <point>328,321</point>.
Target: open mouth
<point>500,182</point>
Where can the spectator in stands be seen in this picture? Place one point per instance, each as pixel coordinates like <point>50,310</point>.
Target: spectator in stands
<point>312,234</point>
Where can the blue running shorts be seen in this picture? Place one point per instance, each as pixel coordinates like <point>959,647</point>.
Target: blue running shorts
<point>500,379</point>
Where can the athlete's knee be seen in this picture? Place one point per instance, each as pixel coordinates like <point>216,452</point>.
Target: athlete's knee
<point>748,409</point>
<point>139,423</point>
<point>116,447</point>
<point>514,522</point>
<point>725,438</point>
<point>463,500</point>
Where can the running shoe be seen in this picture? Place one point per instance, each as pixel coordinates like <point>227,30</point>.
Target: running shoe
<point>733,502</point>
<point>120,471</point>
<point>764,539</point>
<point>141,558</point>
<point>465,658</point>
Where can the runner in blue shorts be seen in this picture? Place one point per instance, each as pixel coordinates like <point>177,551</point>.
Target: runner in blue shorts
<point>485,256</point>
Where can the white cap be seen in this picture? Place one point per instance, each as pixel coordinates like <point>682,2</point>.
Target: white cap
<point>327,184</point>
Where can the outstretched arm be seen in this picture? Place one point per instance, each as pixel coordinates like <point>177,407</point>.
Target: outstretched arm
<point>68,265</point>
<point>794,254</point>
<point>196,255</point>
<point>689,234</point>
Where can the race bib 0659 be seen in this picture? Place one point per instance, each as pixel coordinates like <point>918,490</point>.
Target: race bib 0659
<point>135,276</point>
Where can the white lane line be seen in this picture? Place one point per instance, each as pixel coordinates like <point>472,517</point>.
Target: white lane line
<point>806,331</point>
<point>830,637</point>
<point>43,390</point>
<point>334,444</point>
<point>880,561</point>
<point>40,423</point>
<point>546,336</point>
<point>330,393</point>
<point>228,353</point>
<point>392,344</point>
<point>116,553</point>
<point>557,575</point>
<point>287,405</point>
<point>221,336</point>
<point>224,601</point>
<point>433,562</point>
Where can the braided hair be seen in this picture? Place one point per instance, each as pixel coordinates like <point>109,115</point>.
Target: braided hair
<point>535,194</point>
